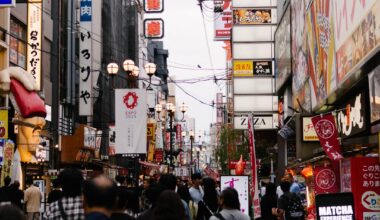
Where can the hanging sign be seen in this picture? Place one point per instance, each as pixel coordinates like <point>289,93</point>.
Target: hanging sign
<point>255,187</point>
<point>335,206</point>
<point>153,6</point>
<point>325,180</point>
<point>85,58</point>
<point>328,137</point>
<point>159,155</point>
<point>111,140</point>
<point>308,131</point>
<point>34,41</point>
<point>89,137</point>
<point>7,160</point>
<point>154,28</point>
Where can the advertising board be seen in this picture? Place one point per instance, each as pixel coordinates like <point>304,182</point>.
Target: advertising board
<point>240,183</point>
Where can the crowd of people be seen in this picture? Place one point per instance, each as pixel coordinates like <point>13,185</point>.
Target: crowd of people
<point>101,198</point>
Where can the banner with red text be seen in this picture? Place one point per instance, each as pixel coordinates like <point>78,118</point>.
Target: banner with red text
<point>326,130</point>
<point>255,188</point>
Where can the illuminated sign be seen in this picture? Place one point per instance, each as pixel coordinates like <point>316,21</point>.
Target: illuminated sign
<point>154,28</point>
<point>335,206</point>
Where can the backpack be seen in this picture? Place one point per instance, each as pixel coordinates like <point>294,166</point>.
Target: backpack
<point>294,207</point>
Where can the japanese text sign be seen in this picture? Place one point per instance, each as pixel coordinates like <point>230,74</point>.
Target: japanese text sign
<point>153,6</point>
<point>34,36</point>
<point>85,58</point>
<point>328,137</point>
<point>154,28</point>
<point>223,22</point>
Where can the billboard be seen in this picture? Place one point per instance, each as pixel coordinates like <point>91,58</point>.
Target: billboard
<point>243,68</point>
<point>223,22</point>
<point>240,183</point>
<point>282,50</point>
<point>131,117</point>
<point>254,16</point>
<point>300,86</point>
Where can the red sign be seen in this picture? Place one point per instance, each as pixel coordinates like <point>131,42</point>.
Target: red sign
<point>365,182</point>
<point>153,6</point>
<point>328,137</point>
<point>255,187</point>
<point>159,155</point>
<point>154,28</point>
<point>179,136</point>
<point>325,180</point>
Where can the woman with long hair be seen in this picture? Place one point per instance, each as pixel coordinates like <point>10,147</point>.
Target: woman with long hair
<point>209,205</point>
<point>269,203</point>
<point>169,207</point>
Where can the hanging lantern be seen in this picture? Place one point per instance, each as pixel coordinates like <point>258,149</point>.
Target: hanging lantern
<point>307,171</point>
<point>239,167</point>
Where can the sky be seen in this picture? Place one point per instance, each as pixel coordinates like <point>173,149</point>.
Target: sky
<point>185,39</point>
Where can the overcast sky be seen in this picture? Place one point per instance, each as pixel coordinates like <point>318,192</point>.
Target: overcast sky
<point>186,41</point>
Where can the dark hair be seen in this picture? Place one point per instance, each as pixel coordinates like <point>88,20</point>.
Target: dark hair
<point>285,186</point>
<point>56,183</point>
<point>152,193</point>
<point>11,212</point>
<point>270,189</point>
<point>29,181</point>
<point>211,196</point>
<point>100,192</point>
<point>120,179</point>
<point>122,197</point>
<point>196,176</point>
<point>169,207</point>
<point>133,200</point>
<point>168,181</point>
<point>230,198</point>
<point>16,184</point>
<point>71,180</point>
<point>7,181</point>
<point>184,193</point>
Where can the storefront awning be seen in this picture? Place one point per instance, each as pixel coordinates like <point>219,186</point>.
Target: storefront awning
<point>149,165</point>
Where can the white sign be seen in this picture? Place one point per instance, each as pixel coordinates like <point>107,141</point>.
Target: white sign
<point>131,121</point>
<point>89,137</point>
<point>111,140</point>
<point>240,183</point>
<point>34,36</point>
<point>223,21</point>
<point>260,122</point>
<point>85,58</point>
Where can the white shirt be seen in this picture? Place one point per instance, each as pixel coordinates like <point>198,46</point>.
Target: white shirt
<point>231,215</point>
<point>279,191</point>
<point>196,194</point>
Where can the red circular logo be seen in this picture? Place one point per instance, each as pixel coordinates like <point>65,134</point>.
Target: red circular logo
<point>325,179</point>
<point>324,128</point>
<point>130,100</point>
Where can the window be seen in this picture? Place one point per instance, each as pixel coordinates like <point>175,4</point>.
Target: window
<point>17,44</point>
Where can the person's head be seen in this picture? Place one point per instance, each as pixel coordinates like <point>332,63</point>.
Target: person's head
<point>56,183</point>
<point>7,181</point>
<point>29,181</point>
<point>99,192</point>
<point>169,207</point>
<point>196,179</point>
<point>152,193</point>
<point>270,189</point>
<point>184,193</point>
<point>210,195</point>
<point>71,181</point>
<point>16,184</point>
<point>120,179</point>
<point>289,177</point>
<point>147,182</point>
<point>285,186</point>
<point>229,199</point>
<point>11,212</point>
<point>168,181</point>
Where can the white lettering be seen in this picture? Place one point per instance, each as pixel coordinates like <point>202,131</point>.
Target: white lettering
<point>322,210</point>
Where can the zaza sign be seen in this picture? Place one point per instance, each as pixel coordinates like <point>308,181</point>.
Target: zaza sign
<point>260,122</point>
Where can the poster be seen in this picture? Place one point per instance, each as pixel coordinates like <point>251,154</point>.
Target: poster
<point>241,184</point>
<point>335,206</point>
<point>131,117</point>
<point>254,16</point>
<point>223,22</point>
<point>282,50</point>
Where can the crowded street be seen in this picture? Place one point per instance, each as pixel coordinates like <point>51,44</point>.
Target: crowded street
<point>189,109</point>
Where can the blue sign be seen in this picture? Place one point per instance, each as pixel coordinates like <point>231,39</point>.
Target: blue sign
<point>85,10</point>
<point>6,3</point>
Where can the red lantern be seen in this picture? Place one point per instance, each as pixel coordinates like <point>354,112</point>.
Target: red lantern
<point>239,167</point>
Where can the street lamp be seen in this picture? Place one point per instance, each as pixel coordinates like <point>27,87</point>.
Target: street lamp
<point>150,69</point>
<point>191,134</point>
<point>129,67</point>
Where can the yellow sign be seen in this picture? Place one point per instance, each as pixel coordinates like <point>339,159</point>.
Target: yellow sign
<point>242,68</point>
<point>4,124</point>
<point>150,130</point>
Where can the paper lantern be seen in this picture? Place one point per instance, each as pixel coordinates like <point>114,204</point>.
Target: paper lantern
<point>307,171</point>
<point>239,167</point>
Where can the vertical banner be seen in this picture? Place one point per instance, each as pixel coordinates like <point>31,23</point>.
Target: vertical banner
<point>326,130</point>
<point>3,124</point>
<point>89,137</point>
<point>159,138</point>
<point>111,140</point>
<point>151,142</point>
<point>223,21</point>
<point>34,40</point>
<point>131,117</point>
<point>98,142</point>
<point>7,160</point>
<point>255,187</point>
<point>85,58</point>
<point>219,110</point>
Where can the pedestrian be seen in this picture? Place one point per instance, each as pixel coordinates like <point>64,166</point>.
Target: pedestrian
<point>99,198</point>
<point>183,192</point>
<point>32,199</point>
<point>6,191</point>
<point>169,207</point>
<point>268,203</point>
<point>229,202</point>
<point>70,206</point>
<point>56,193</point>
<point>289,204</point>
<point>17,195</point>
<point>11,212</point>
<point>152,193</point>
<point>121,205</point>
<point>209,204</point>
<point>144,202</point>
<point>196,190</point>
